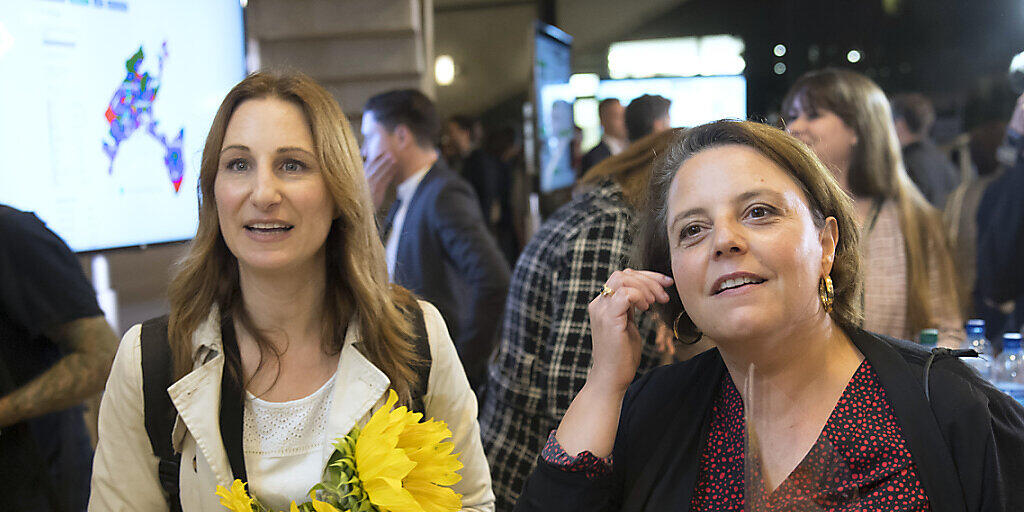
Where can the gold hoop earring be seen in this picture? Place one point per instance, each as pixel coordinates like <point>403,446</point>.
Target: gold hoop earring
<point>826,293</point>
<point>675,332</point>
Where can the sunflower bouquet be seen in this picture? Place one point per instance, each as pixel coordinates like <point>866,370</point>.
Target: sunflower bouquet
<point>394,463</point>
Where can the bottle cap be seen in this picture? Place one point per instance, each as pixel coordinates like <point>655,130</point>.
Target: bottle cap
<point>1011,341</point>
<point>929,337</point>
<point>975,322</point>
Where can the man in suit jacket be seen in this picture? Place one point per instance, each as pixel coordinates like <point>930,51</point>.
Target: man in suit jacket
<point>436,240</point>
<point>613,137</point>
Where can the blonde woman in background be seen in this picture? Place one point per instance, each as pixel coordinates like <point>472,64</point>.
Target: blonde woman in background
<point>283,296</point>
<point>910,283</point>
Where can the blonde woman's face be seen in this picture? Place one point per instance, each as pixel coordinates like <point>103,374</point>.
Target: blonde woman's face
<point>746,255</point>
<point>273,205</point>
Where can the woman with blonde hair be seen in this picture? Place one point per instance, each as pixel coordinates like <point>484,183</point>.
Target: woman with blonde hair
<point>282,312</point>
<point>545,347</point>
<point>749,240</point>
<point>910,283</point>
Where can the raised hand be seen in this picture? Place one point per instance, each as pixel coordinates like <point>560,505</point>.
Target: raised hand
<point>616,341</point>
<point>381,171</point>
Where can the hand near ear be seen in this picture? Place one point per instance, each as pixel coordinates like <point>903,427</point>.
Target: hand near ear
<point>380,174</point>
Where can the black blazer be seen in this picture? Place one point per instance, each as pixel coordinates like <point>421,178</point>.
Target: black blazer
<point>447,256</point>
<point>594,156</point>
<point>967,443</point>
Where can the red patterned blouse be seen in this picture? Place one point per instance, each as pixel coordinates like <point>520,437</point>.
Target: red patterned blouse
<point>859,463</point>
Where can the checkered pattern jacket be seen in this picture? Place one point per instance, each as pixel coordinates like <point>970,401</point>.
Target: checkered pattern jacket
<point>545,349</point>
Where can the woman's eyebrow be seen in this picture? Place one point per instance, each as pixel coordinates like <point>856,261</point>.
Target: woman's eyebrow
<point>685,214</point>
<point>288,149</point>
<point>759,192</point>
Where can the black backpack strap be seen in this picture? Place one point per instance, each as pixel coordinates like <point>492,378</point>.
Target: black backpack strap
<point>160,414</point>
<point>421,342</point>
<point>232,402</point>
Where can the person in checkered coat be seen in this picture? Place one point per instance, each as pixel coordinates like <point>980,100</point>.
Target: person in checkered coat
<point>544,355</point>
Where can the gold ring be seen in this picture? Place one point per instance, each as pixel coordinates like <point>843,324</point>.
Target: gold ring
<point>606,291</point>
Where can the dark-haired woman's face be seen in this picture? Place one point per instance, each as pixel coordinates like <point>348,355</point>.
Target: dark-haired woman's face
<point>826,133</point>
<point>746,255</point>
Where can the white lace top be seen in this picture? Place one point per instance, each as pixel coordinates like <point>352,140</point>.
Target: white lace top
<point>285,446</point>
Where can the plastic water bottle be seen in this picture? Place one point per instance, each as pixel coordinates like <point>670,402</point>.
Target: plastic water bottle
<point>928,338</point>
<point>1009,367</point>
<point>976,340</point>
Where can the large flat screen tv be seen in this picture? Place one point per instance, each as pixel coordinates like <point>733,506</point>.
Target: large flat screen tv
<point>104,109</point>
<point>551,70</point>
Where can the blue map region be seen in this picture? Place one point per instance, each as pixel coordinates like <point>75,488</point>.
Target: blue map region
<point>131,108</point>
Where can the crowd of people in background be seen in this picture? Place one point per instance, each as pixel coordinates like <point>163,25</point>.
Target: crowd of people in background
<point>900,237</point>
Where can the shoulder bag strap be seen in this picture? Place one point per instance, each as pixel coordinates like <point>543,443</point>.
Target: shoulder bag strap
<point>231,401</point>
<point>159,411</point>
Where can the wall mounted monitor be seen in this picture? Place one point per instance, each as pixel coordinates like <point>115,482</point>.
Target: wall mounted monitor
<point>104,109</point>
<point>551,70</point>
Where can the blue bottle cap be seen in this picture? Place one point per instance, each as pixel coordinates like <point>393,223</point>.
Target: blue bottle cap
<point>1011,341</point>
<point>975,322</point>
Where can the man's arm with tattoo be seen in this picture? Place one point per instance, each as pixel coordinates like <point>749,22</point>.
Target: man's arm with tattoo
<point>89,345</point>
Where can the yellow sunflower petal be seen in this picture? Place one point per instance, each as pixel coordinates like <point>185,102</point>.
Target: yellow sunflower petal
<point>424,434</point>
<point>235,499</point>
<point>388,494</point>
<point>434,498</point>
<point>321,506</point>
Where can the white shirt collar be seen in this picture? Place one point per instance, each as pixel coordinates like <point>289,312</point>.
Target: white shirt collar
<point>615,145</point>
<point>405,189</point>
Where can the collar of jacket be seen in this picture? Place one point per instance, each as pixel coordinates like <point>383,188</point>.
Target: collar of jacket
<point>359,386</point>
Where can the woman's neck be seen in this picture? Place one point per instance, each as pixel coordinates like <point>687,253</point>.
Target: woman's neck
<point>289,302</point>
<point>782,372</point>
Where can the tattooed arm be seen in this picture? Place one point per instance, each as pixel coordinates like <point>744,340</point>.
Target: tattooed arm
<point>89,345</point>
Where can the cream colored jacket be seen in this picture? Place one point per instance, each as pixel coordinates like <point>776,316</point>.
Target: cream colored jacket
<point>124,475</point>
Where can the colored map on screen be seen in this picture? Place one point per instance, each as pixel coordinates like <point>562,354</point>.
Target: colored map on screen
<point>131,108</point>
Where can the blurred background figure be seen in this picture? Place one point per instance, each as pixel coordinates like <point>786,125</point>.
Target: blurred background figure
<point>961,219</point>
<point>646,115</point>
<point>613,133</point>
<point>436,240</point>
<point>929,168</point>
<point>1000,283</point>
<point>910,283</point>
<point>55,351</point>
<point>460,143</point>
<point>545,348</point>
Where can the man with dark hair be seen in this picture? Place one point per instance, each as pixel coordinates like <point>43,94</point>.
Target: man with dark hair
<point>55,351</point>
<point>646,115</point>
<point>931,170</point>
<point>436,240</point>
<point>613,133</point>
<point>490,178</point>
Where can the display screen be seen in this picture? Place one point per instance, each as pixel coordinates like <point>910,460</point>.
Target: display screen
<point>104,109</point>
<point>695,100</point>
<point>551,71</point>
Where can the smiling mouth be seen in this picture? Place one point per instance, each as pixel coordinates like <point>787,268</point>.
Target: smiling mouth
<point>733,284</point>
<point>269,228</point>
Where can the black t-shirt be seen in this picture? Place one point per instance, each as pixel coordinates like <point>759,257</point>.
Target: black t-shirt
<point>42,286</point>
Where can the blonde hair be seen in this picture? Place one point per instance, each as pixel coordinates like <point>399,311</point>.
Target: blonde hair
<point>825,198</point>
<point>356,276</point>
<point>631,169</point>
<point>877,172</point>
